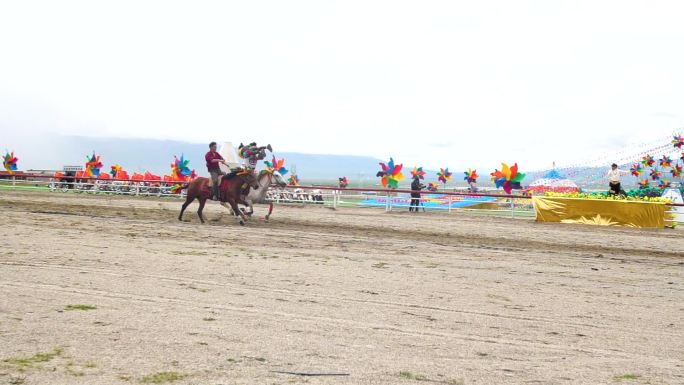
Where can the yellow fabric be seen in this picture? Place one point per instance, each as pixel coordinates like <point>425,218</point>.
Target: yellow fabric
<point>600,212</point>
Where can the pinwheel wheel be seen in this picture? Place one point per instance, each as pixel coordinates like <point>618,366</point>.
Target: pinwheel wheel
<point>115,170</point>
<point>678,141</point>
<point>665,162</point>
<point>647,161</point>
<point>294,180</point>
<point>418,172</point>
<point>276,165</point>
<point>10,162</point>
<point>636,169</point>
<point>343,182</point>
<point>391,174</point>
<point>443,175</point>
<point>180,170</point>
<point>508,178</point>
<point>644,183</point>
<point>432,186</point>
<point>676,171</point>
<point>656,174</point>
<point>470,176</point>
<point>93,165</point>
<point>664,183</point>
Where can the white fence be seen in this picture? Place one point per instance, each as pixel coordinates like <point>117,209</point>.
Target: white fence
<point>389,200</point>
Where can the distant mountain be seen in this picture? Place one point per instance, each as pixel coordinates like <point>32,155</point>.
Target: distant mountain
<point>139,155</point>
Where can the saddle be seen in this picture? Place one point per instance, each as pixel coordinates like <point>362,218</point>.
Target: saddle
<point>224,181</point>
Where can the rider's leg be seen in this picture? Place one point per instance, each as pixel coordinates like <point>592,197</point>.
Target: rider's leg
<point>215,181</point>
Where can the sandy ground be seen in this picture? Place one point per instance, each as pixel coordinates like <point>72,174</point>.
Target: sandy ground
<point>381,298</point>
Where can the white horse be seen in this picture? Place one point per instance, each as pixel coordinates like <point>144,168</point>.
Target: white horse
<point>265,179</point>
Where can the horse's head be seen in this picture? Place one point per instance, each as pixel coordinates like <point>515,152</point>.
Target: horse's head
<point>274,177</point>
<point>279,179</point>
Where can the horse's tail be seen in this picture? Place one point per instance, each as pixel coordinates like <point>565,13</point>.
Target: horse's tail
<point>177,188</point>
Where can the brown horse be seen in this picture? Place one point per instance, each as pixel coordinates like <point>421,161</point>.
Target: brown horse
<point>230,190</point>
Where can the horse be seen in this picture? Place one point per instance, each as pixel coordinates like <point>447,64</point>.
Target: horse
<point>230,190</point>
<point>259,195</point>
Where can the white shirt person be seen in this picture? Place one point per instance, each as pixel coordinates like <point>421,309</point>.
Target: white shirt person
<point>614,175</point>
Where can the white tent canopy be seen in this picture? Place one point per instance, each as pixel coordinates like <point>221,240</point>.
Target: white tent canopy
<point>229,154</point>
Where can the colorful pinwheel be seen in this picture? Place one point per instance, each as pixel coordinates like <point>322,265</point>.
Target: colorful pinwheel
<point>390,174</point>
<point>676,171</point>
<point>180,170</point>
<point>276,165</point>
<point>636,169</point>
<point>665,162</point>
<point>294,180</point>
<point>656,174</point>
<point>470,176</point>
<point>508,178</point>
<point>647,161</point>
<point>443,175</point>
<point>343,182</point>
<point>432,186</point>
<point>678,141</point>
<point>115,170</point>
<point>418,172</point>
<point>644,183</point>
<point>664,183</point>
<point>93,165</point>
<point>10,162</point>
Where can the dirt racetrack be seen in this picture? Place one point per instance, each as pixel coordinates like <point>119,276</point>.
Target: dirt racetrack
<point>110,290</point>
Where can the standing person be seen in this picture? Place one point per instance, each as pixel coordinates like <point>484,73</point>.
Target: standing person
<point>213,159</point>
<point>614,175</point>
<point>416,186</point>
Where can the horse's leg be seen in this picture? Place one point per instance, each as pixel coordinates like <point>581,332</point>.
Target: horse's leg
<point>227,206</point>
<point>270,210</point>
<point>250,204</point>
<point>240,216</point>
<point>202,202</point>
<point>185,205</point>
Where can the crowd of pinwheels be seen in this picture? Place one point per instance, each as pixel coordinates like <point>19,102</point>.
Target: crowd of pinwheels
<point>654,172</point>
<point>117,179</point>
<point>508,178</point>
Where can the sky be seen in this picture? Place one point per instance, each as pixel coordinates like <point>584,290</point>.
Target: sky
<point>431,83</point>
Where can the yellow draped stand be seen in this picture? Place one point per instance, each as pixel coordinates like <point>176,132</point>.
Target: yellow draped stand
<point>602,212</point>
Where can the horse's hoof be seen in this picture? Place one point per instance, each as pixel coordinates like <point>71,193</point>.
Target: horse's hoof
<point>242,223</point>
<point>266,218</point>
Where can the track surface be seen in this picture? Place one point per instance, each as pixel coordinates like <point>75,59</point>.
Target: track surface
<point>384,298</point>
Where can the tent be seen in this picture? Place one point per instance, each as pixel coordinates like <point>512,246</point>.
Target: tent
<point>553,182</point>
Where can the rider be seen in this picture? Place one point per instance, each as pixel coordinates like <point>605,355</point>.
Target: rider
<point>213,159</point>
<point>252,154</point>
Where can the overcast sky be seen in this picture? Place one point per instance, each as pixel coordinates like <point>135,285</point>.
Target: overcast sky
<point>453,83</point>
